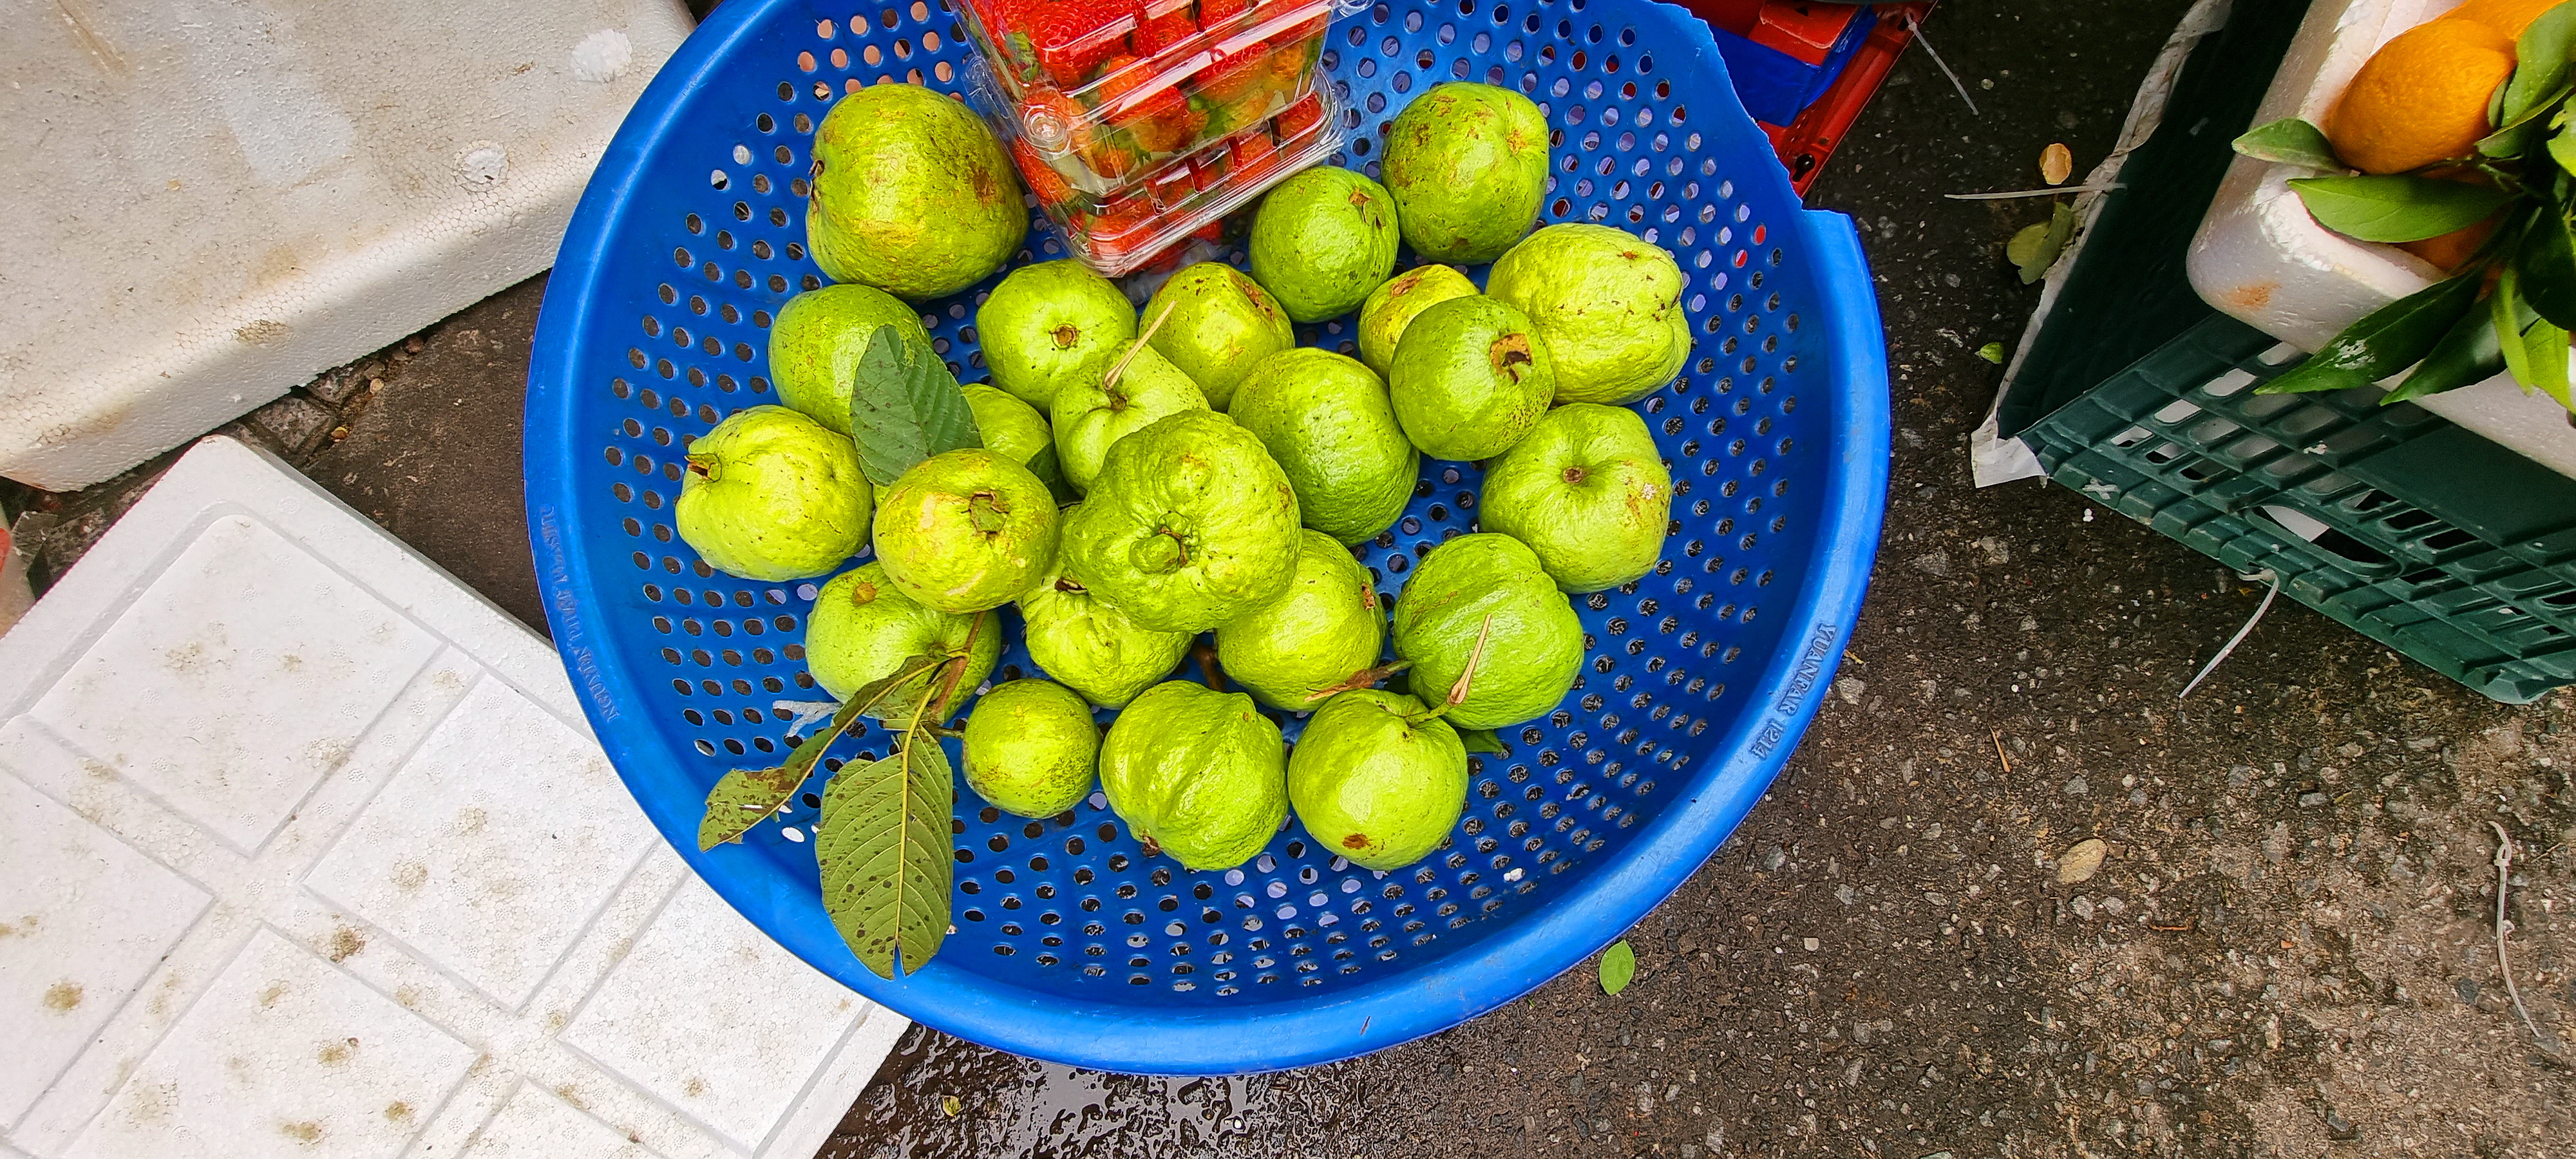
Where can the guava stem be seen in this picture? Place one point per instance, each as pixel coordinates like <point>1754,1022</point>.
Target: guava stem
<point>1111,379</point>
<point>1475,660</point>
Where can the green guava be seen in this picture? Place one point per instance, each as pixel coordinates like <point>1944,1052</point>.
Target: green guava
<point>1189,524</point>
<point>1322,240</point>
<point>1048,324</point>
<point>1327,423</point>
<point>912,194</point>
<point>1324,628</point>
<point>1375,782</point>
<point>1467,164</point>
<point>1222,323</point>
<point>966,530</point>
<point>1609,305</point>
<point>863,629</point>
<point>1199,775</point>
<point>772,495</point>
<point>1029,748</point>
<point>1394,304</point>
<point>1126,394</point>
<point>1535,647</point>
<point>1587,492</point>
<point>1090,646</point>
<point>1011,428</point>
<point>819,336</point>
<point>1470,378</point>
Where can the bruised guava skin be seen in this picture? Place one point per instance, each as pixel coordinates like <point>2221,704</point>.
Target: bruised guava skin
<point>1322,240</point>
<point>1189,524</point>
<point>1324,628</point>
<point>1029,748</point>
<point>1393,305</point>
<point>1011,428</point>
<point>819,336</point>
<point>772,495</point>
<point>966,530</point>
<point>1093,412</point>
<point>912,194</point>
<point>1376,784</point>
<point>1609,305</point>
<point>1471,377</point>
<point>1536,645</point>
<point>1222,324</point>
<point>1327,422</point>
<point>1587,491</point>
<point>1090,646</point>
<point>1467,164</point>
<point>863,629</point>
<point>1049,324</point>
<point>1198,775</point>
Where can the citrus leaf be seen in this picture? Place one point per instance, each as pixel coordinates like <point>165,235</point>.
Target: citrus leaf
<point>1483,740</point>
<point>884,849</point>
<point>2541,77</point>
<point>746,797</point>
<point>905,407</point>
<point>2535,349</point>
<point>1618,967</point>
<point>2396,207</point>
<point>2387,340</point>
<point>2469,353</point>
<point>2546,265</point>
<point>2289,141</point>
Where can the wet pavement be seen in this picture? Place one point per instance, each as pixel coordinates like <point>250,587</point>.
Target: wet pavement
<point>2287,951</point>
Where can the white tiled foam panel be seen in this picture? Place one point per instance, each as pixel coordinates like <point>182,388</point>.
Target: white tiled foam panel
<point>305,850</point>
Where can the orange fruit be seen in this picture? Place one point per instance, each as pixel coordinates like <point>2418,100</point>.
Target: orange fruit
<point>2509,17</point>
<point>2449,251</point>
<point>2421,98</point>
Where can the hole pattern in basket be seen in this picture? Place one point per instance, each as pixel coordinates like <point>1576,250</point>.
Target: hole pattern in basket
<point>1070,904</point>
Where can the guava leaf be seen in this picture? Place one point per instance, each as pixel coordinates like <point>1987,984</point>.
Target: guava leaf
<point>2385,341</point>
<point>2396,207</point>
<point>746,797</point>
<point>1618,967</point>
<point>905,407</point>
<point>1483,740</point>
<point>2289,141</point>
<point>884,849</point>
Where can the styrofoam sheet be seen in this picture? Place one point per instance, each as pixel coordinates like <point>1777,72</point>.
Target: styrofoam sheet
<point>212,200</point>
<point>306,849</point>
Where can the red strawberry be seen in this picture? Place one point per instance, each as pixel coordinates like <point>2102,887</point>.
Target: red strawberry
<point>1255,158</point>
<point>1215,12</point>
<point>1043,180</point>
<point>1071,37</point>
<point>1173,186</point>
<point>1160,120</point>
<point>1233,76</point>
<point>1298,119</point>
<point>1159,31</point>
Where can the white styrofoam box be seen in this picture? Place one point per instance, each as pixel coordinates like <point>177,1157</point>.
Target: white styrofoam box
<point>2261,258</point>
<point>212,200</point>
<point>305,848</point>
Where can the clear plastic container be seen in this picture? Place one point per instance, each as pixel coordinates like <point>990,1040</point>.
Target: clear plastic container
<point>1156,208</point>
<point>1111,90</point>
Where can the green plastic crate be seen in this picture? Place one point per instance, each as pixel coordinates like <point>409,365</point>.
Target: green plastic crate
<point>2427,538</point>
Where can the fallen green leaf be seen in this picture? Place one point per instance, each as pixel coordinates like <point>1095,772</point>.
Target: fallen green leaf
<point>2387,340</point>
<point>2036,247</point>
<point>2289,141</point>
<point>950,1105</point>
<point>1618,967</point>
<point>905,407</point>
<point>2396,207</point>
<point>746,797</point>
<point>1992,352</point>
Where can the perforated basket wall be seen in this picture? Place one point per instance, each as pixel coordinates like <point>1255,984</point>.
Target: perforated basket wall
<point>1070,944</point>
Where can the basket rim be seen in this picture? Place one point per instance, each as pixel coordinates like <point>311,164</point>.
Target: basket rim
<point>1610,896</point>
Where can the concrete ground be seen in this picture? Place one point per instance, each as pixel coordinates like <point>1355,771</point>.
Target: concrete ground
<point>2288,951</point>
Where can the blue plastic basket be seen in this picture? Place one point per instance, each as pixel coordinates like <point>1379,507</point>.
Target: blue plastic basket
<point>1070,944</point>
